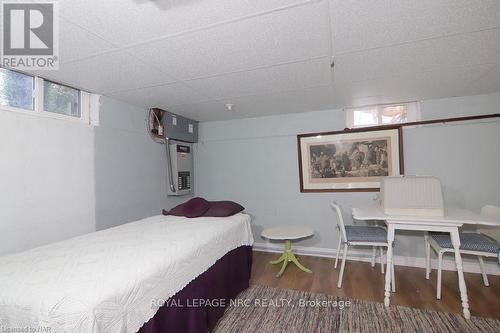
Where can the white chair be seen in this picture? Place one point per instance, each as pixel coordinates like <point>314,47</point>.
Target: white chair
<point>473,243</point>
<point>360,236</point>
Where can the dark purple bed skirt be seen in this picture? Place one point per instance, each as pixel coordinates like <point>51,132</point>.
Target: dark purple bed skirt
<point>198,307</point>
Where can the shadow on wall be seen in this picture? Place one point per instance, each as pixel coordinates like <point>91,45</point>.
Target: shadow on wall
<point>453,196</point>
<point>456,198</point>
<point>257,231</point>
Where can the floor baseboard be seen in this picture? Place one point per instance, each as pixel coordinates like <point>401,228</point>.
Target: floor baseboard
<point>356,255</point>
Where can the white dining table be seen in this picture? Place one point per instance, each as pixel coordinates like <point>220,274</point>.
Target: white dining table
<point>452,220</point>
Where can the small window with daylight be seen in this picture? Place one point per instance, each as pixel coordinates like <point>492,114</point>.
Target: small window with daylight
<point>61,99</point>
<point>387,114</point>
<point>366,117</point>
<point>16,90</point>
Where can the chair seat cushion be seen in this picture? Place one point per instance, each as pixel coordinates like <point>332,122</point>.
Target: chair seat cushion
<point>469,241</point>
<point>357,233</point>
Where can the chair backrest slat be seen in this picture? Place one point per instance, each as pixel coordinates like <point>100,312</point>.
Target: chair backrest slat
<point>340,220</point>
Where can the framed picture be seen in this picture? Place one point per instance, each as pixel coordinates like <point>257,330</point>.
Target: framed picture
<point>349,160</point>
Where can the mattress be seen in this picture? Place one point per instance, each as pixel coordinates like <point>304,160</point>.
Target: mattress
<point>111,280</point>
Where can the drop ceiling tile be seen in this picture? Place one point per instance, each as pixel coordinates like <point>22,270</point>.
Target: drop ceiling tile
<point>198,49</point>
<point>367,24</point>
<point>124,22</point>
<point>77,43</point>
<point>303,100</point>
<point>295,34</point>
<point>455,51</point>
<point>110,72</point>
<point>412,86</point>
<point>293,76</point>
<point>163,96</point>
<point>488,83</point>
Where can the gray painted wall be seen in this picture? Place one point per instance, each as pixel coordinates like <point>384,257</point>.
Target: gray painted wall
<point>130,169</point>
<point>254,162</point>
<point>46,180</point>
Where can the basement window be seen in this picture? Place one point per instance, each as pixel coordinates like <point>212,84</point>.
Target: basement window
<point>16,90</point>
<point>385,114</point>
<point>61,99</point>
<point>34,95</point>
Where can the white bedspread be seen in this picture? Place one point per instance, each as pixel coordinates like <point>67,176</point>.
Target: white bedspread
<point>107,281</point>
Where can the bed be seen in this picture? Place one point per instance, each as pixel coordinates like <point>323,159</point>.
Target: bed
<point>120,279</point>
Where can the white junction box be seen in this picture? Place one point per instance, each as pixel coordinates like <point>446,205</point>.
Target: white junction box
<point>412,195</point>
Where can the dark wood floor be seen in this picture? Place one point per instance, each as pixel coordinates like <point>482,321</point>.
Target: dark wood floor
<point>361,281</point>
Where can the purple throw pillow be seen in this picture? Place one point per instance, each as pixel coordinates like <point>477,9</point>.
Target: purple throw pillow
<point>194,207</point>
<point>223,209</point>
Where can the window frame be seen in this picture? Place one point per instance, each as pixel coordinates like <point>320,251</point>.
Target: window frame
<point>412,114</point>
<point>42,99</point>
<point>33,96</point>
<point>38,105</point>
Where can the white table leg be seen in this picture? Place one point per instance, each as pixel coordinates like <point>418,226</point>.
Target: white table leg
<point>388,271</point>
<point>455,240</point>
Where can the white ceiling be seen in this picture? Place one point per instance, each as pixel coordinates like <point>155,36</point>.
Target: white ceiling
<point>273,56</point>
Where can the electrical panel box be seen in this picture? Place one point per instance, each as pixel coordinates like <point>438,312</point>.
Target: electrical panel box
<point>178,134</point>
<point>181,168</point>
<point>412,195</point>
<point>179,128</point>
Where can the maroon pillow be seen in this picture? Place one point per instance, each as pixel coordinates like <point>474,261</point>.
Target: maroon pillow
<point>192,208</point>
<point>223,209</point>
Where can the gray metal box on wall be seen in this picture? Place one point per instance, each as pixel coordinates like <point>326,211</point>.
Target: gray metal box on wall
<point>180,128</point>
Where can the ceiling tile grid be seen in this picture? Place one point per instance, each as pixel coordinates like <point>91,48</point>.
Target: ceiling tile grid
<point>278,78</point>
<point>361,25</point>
<point>251,43</point>
<point>416,86</point>
<point>77,43</point>
<point>302,100</point>
<point>110,72</point>
<point>434,54</point>
<point>127,22</point>
<point>163,96</point>
<point>274,56</point>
